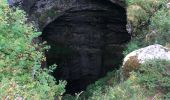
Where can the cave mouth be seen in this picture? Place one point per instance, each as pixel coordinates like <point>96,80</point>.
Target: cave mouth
<point>86,42</point>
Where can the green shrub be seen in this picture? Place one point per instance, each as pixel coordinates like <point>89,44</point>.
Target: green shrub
<point>137,19</point>
<point>160,24</point>
<point>139,13</point>
<point>94,91</point>
<point>156,29</point>
<point>150,6</point>
<point>124,91</point>
<point>154,75</point>
<point>127,90</point>
<point>152,80</point>
<point>21,75</point>
<point>131,46</point>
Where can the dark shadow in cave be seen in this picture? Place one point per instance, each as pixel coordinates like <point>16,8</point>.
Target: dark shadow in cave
<point>86,42</point>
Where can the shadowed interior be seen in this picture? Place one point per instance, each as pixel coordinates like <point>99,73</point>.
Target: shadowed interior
<point>86,42</point>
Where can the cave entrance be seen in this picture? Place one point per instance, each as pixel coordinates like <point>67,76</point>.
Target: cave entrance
<point>86,42</point>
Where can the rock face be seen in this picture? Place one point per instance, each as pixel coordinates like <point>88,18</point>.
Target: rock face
<point>42,12</point>
<point>134,59</point>
<point>85,36</point>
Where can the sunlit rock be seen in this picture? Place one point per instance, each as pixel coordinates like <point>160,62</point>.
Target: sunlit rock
<point>133,60</point>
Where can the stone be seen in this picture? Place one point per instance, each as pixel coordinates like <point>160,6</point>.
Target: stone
<point>134,59</point>
<point>168,5</point>
<point>42,12</point>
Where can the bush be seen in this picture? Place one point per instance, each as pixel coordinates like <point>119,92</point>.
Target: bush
<point>154,75</point>
<point>156,25</point>
<point>94,91</point>
<point>127,90</point>
<point>21,75</point>
<point>160,24</point>
<point>152,80</point>
<point>150,6</point>
<point>131,46</point>
<point>139,13</point>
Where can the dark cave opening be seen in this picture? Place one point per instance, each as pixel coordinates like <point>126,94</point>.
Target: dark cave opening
<point>86,42</point>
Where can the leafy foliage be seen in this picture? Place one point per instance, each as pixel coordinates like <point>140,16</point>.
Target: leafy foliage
<point>160,24</point>
<point>149,28</point>
<point>155,76</point>
<point>150,81</point>
<point>139,13</point>
<point>132,45</point>
<point>21,75</point>
<point>111,88</point>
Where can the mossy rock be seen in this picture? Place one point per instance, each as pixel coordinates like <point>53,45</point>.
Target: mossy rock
<point>139,13</point>
<point>137,16</point>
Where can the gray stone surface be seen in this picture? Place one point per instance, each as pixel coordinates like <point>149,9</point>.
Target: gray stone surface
<point>42,12</point>
<point>134,59</point>
<point>148,53</point>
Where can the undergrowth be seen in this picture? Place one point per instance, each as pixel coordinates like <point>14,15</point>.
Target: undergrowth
<point>21,75</point>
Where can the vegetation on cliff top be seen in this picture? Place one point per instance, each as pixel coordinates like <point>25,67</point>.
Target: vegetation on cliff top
<point>150,26</point>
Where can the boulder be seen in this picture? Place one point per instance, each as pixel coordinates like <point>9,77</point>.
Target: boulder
<point>134,59</point>
<point>168,5</point>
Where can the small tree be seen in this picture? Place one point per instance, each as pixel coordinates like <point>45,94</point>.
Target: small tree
<point>21,75</point>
